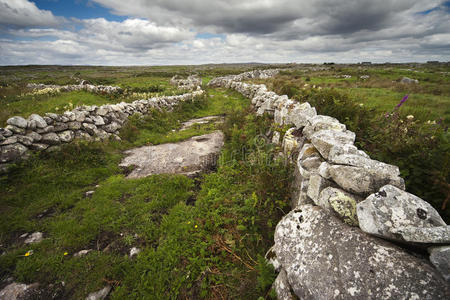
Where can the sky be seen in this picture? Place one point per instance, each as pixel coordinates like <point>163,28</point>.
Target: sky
<point>170,32</point>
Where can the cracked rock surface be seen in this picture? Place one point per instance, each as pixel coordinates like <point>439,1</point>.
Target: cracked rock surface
<point>187,157</point>
<point>324,259</point>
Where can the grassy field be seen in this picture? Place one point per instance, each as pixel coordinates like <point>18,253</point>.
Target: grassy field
<point>211,249</point>
<point>137,82</point>
<point>413,135</point>
<point>201,237</point>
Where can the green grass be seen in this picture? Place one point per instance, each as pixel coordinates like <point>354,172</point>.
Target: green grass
<point>423,106</point>
<point>211,249</point>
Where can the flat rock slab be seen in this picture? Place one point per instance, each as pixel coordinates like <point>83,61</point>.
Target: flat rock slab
<point>204,120</point>
<point>188,157</point>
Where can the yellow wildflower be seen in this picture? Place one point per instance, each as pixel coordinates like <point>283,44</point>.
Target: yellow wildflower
<point>65,253</point>
<point>28,253</point>
<point>195,226</point>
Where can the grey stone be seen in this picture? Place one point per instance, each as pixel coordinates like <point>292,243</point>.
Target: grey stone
<point>35,237</point>
<point>111,128</point>
<point>341,203</point>
<point>35,136</point>
<point>306,151</point>
<point>74,125</point>
<point>70,115</point>
<point>276,138</point>
<point>301,114</point>
<point>325,259</point>
<point>316,184</point>
<point>39,121</point>
<point>10,140</point>
<point>51,139</point>
<point>12,152</point>
<point>15,129</point>
<point>99,295</point>
<point>102,111</point>
<point>31,125</point>
<point>282,287</point>
<point>440,258</point>
<point>188,157</point>
<point>54,148</point>
<point>324,140</point>
<point>392,209</point>
<point>134,251</point>
<point>17,291</point>
<point>25,140</point>
<point>79,134</point>
<point>66,136</point>
<point>47,129</point>
<point>60,126</point>
<point>90,128</point>
<point>48,120</point>
<point>52,116</point>
<point>346,149</point>
<point>79,117</point>
<point>362,180</point>
<point>98,121</point>
<point>428,235</point>
<point>6,132</point>
<point>82,253</point>
<point>38,146</point>
<point>101,134</point>
<point>321,122</point>
<point>409,80</point>
<point>324,170</point>
<point>17,121</point>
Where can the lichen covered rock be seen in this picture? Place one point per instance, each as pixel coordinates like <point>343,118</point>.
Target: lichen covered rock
<point>398,215</point>
<point>325,259</point>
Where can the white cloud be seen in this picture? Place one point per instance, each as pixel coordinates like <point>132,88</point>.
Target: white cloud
<point>164,32</point>
<point>23,13</point>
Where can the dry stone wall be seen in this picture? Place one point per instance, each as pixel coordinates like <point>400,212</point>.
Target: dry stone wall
<point>84,86</point>
<point>37,133</point>
<point>347,210</point>
<point>191,83</point>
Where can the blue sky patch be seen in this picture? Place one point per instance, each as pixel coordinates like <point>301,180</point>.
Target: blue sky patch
<point>81,9</point>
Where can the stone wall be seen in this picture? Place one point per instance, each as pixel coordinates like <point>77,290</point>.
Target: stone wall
<point>37,133</point>
<point>353,231</point>
<point>191,83</point>
<point>84,86</point>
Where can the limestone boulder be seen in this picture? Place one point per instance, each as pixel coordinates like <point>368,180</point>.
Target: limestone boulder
<point>398,215</point>
<point>282,287</point>
<point>12,152</point>
<point>17,121</point>
<point>364,180</point>
<point>341,203</point>
<point>66,136</point>
<point>320,122</point>
<point>50,139</point>
<point>38,120</point>
<point>326,259</point>
<point>16,291</point>
<point>440,258</point>
<point>316,184</point>
<point>324,140</point>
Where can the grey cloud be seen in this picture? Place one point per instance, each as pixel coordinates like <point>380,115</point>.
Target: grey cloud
<point>23,13</point>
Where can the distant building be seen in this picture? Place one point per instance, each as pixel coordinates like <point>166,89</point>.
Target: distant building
<point>366,63</point>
